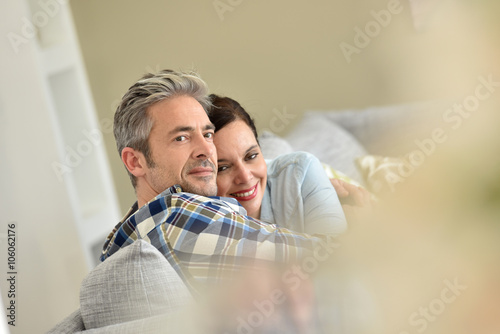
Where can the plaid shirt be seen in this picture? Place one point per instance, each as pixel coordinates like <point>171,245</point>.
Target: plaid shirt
<point>204,238</point>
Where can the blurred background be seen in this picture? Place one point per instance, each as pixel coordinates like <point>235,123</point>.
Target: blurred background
<point>66,64</point>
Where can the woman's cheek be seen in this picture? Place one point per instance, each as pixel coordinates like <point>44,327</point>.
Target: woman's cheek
<point>222,186</point>
<point>263,169</point>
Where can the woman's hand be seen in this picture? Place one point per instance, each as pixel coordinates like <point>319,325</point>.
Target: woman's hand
<point>350,194</point>
<point>356,201</point>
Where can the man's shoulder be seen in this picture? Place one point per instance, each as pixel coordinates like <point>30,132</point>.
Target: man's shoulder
<point>185,202</point>
<point>180,210</point>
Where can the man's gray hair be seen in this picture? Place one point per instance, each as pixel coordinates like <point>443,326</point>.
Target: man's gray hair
<point>132,124</point>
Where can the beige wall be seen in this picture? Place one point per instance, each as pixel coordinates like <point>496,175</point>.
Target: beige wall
<point>284,55</point>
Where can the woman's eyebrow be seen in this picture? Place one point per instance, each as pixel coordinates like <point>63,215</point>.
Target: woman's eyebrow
<point>246,152</point>
<point>251,148</point>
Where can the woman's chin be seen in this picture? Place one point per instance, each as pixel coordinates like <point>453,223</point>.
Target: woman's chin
<point>252,210</point>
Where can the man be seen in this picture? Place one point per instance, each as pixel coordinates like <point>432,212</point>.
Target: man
<point>165,140</point>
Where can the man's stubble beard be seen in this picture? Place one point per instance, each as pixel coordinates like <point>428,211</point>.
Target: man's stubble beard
<point>210,187</point>
<point>209,190</point>
<point>158,177</point>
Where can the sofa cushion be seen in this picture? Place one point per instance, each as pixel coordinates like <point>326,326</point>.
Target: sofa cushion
<point>329,142</point>
<point>135,283</point>
<point>272,145</point>
<point>390,130</point>
<point>383,174</point>
<point>335,174</point>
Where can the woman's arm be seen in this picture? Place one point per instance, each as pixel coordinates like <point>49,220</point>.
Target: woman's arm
<point>322,208</point>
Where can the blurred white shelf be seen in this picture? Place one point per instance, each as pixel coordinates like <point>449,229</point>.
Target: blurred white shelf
<point>58,58</point>
<point>89,182</point>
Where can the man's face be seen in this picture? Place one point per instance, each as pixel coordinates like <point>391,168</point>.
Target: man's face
<point>182,148</point>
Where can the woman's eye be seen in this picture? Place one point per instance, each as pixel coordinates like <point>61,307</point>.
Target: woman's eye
<point>222,168</point>
<point>252,156</point>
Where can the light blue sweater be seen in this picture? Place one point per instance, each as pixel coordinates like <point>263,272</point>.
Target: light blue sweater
<point>300,197</point>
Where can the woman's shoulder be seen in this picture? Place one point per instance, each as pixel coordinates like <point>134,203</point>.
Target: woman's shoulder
<point>290,160</point>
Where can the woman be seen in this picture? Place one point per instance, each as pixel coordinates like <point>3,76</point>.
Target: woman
<point>292,190</point>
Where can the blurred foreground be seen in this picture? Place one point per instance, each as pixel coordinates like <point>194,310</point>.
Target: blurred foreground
<point>426,260</point>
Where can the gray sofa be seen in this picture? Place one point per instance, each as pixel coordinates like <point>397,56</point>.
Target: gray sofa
<point>341,138</point>
<point>136,291</point>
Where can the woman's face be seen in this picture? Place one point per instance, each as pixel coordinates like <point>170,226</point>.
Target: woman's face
<point>242,171</point>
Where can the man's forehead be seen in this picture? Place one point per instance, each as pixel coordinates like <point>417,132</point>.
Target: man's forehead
<point>181,111</point>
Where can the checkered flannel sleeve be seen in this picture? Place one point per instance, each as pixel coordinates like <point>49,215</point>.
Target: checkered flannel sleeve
<point>205,238</point>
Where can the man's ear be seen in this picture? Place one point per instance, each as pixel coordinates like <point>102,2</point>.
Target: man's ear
<point>134,161</point>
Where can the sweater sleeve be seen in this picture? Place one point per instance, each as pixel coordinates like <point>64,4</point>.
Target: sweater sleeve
<point>322,209</point>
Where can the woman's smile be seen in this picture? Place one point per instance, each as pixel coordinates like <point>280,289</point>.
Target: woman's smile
<point>247,194</point>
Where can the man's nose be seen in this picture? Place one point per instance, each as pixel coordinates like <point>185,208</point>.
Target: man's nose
<point>204,148</point>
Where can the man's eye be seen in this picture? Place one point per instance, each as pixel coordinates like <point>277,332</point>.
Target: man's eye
<point>180,138</point>
<point>209,135</point>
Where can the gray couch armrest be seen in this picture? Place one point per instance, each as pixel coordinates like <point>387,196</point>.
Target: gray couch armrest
<point>73,323</point>
<point>174,322</point>
<point>135,283</point>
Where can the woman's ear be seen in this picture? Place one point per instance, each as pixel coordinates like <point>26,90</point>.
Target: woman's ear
<point>134,161</point>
